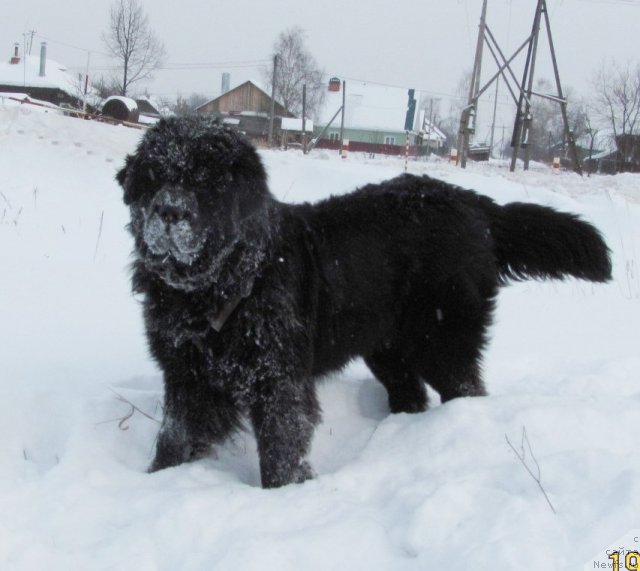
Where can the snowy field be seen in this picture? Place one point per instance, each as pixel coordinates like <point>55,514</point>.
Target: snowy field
<point>438,490</point>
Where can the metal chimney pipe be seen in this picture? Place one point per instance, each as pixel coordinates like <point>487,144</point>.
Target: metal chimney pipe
<point>226,82</point>
<point>43,58</point>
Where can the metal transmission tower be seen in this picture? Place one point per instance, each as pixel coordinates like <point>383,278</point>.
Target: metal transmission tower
<point>521,91</point>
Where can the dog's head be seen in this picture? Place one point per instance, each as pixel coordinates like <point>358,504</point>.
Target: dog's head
<point>192,184</point>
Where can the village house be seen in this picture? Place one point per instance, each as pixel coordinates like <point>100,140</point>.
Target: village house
<point>374,121</point>
<point>247,108</point>
<point>39,78</point>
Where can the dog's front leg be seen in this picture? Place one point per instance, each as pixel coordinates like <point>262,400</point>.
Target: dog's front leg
<point>196,417</point>
<point>284,415</point>
<point>173,446</point>
<point>178,439</point>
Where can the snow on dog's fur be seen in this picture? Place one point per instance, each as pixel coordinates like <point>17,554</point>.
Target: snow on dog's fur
<point>248,301</point>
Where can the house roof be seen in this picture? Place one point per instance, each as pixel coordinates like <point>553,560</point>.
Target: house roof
<point>253,82</point>
<point>150,105</point>
<point>429,130</point>
<point>27,73</point>
<point>368,106</point>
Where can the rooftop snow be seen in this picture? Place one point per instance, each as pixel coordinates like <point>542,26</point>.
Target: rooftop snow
<point>368,106</point>
<point>27,73</point>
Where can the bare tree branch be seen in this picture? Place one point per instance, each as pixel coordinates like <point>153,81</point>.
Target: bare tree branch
<point>130,40</point>
<point>296,67</point>
<point>617,89</point>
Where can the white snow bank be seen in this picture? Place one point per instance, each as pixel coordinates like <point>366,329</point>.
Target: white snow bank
<point>441,489</point>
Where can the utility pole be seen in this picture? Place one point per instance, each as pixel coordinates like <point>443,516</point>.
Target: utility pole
<point>493,121</point>
<point>430,123</point>
<point>568,132</point>
<point>24,59</point>
<point>315,140</point>
<point>86,85</point>
<point>344,98</point>
<point>469,113</point>
<point>304,118</point>
<point>523,117</point>
<point>273,101</point>
<point>30,33</point>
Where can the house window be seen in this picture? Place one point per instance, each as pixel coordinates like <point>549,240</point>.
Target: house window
<point>334,136</point>
<point>389,140</point>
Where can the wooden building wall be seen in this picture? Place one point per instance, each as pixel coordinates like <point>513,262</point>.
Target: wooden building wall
<point>245,97</point>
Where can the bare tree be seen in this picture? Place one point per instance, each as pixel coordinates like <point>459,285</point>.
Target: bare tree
<point>450,124</point>
<point>131,41</point>
<point>617,89</point>
<point>186,106</point>
<point>547,137</point>
<point>296,67</point>
<point>106,87</point>
<point>593,131</point>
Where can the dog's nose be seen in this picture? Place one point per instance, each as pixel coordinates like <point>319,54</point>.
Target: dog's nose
<point>171,213</point>
<point>172,206</point>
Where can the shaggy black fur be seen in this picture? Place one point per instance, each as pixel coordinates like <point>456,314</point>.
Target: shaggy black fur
<point>249,301</point>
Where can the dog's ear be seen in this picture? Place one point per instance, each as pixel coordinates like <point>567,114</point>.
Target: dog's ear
<point>121,177</point>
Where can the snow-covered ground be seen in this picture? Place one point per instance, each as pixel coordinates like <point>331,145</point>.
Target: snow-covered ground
<point>439,490</point>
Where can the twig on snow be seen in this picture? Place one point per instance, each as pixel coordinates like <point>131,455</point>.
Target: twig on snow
<point>95,254</point>
<point>522,454</point>
<point>15,221</point>
<point>4,197</point>
<point>122,422</point>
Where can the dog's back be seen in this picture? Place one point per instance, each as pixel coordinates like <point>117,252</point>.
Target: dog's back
<point>529,241</point>
<point>389,259</point>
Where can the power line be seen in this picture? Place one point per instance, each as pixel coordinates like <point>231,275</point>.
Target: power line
<point>93,51</point>
<point>635,3</point>
<point>215,65</point>
<point>186,66</point>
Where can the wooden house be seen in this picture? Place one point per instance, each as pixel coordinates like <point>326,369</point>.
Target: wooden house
<point>247,108</point>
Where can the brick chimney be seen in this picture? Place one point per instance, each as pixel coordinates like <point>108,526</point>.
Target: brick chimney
<point>43,58</point>
<point>16,55</point>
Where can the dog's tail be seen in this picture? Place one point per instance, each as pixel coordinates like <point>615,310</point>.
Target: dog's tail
<point>539,242</point>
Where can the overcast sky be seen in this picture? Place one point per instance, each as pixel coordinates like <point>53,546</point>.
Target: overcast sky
<point>424,44</point>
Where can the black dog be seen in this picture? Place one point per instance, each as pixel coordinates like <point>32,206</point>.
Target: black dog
<point>248,301</point>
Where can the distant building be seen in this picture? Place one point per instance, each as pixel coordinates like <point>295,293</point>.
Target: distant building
<point>374,121</point>
<point>40,78</point>
<point>624,158</point>
<point>247,108</point>
<point>292,132</point>
<point>151,110</point>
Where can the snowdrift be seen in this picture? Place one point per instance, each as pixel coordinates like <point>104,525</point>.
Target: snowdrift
<point>445,489</point>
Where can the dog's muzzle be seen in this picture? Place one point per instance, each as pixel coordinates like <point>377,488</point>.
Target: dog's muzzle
<point>172,225</point>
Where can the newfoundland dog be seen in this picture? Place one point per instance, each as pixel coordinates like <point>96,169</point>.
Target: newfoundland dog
<point>249,301</point>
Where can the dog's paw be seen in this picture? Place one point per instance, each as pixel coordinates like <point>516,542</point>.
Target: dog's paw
<point>291,475</point>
